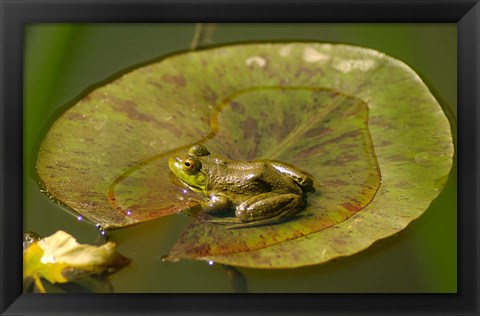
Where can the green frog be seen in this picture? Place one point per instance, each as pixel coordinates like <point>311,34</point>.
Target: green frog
<point>261,192</point>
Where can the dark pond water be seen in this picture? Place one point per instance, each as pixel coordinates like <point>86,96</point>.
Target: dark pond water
<point>61,61</point>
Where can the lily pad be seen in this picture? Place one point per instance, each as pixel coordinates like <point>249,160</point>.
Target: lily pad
<point>350,116</point>
<point>320,131</point>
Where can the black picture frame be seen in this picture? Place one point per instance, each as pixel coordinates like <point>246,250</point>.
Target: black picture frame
<point>15,14</point>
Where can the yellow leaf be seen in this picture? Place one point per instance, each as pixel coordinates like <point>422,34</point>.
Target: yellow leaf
<point>59,259</point>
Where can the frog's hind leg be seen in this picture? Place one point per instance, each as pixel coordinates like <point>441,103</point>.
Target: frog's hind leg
<point>268,208</point>
<point>302,178</point>
<point>264,209</point>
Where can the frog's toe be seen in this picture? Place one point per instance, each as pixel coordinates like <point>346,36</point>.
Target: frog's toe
<point>234,223</point>
<point>223,221</point>
<point>267,221</point>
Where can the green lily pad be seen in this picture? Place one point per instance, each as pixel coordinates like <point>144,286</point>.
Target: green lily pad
<point>328,109</point>
<point>320,131</point>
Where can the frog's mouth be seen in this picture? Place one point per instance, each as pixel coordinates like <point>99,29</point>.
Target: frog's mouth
<point>190,186</point>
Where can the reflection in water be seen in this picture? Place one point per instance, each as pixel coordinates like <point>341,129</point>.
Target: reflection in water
<point>238,280</point>
<point>203,35</point>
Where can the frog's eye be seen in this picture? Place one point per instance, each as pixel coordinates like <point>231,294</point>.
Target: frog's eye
<point>189,165</point>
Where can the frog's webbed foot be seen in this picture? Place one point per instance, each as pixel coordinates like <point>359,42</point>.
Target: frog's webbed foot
<point>227,221</point>
<point>235,223</point>
<point>262,222</point>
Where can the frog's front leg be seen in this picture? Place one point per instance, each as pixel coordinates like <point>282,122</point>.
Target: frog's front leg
<point>267,208</point>
<point>216,203</point>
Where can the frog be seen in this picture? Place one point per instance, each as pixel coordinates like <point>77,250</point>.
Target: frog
<point>261,192</point>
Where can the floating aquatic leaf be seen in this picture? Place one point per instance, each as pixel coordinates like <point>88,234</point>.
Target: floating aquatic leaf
<point>60,259</point>
<point>320,131</point>
<point>328,109</point>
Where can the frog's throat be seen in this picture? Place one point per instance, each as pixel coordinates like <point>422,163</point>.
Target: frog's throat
<point>193,188</point>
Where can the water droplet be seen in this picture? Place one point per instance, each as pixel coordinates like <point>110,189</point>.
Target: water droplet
<point>397,226</point>
<point>80,217</point>
<point>426,158</point>
<point>129,212</point>
<point>311,55</point>
<point>166,258</point>
<point>439,183</point>
<point>47,259</point>
<point>256,60</point>
<point>210,262</point>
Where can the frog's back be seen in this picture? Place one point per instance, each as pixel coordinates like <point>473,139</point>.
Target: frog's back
<point>242,180</point>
